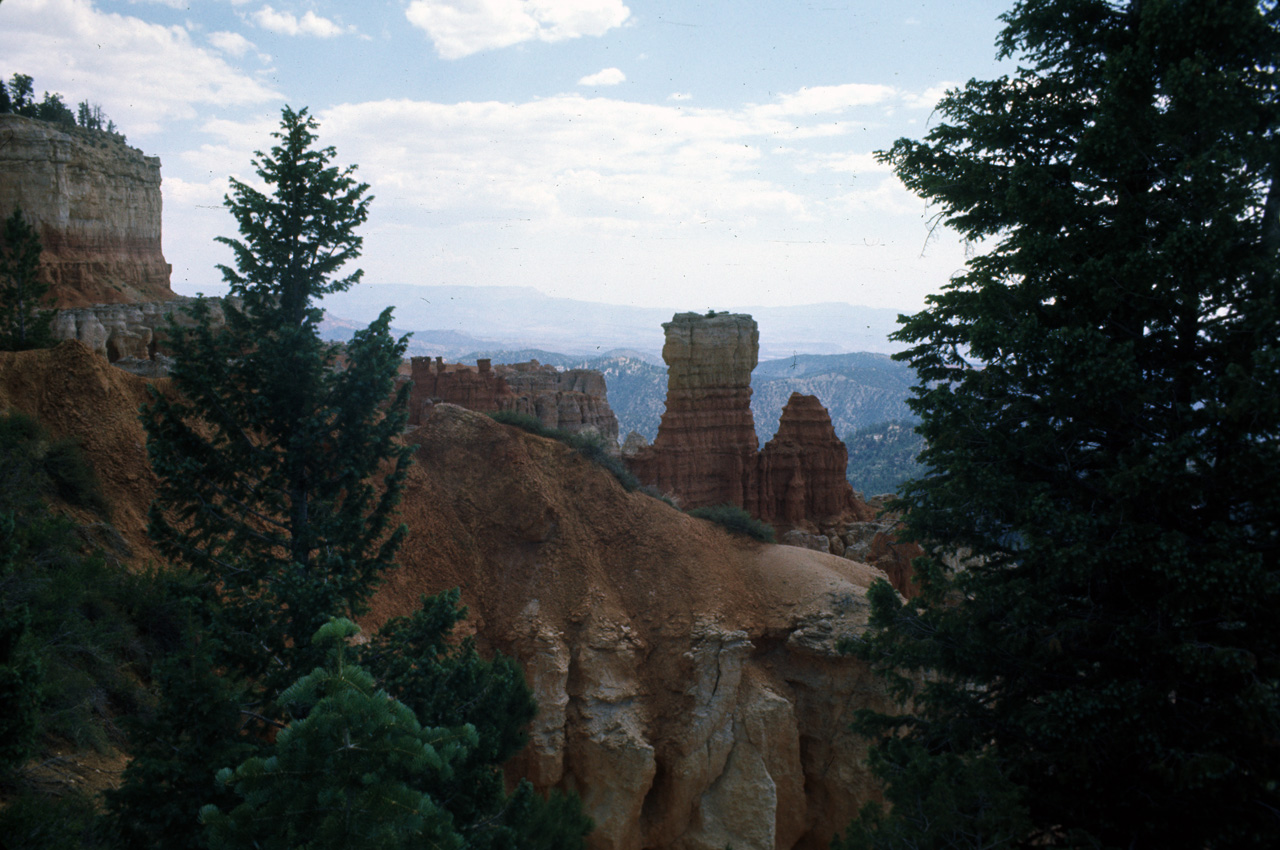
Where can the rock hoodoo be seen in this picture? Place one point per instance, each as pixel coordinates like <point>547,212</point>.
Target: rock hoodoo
<point>573,400</point>
<point>95,202</point>
<point>705,452</point>
<point>802,469</point>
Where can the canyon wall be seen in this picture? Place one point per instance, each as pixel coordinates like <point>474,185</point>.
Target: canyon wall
<point>124,332</point>
<point>689,683</point>
<point>95,203</point>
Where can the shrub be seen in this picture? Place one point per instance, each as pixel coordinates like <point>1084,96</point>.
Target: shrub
<point>737,521</point>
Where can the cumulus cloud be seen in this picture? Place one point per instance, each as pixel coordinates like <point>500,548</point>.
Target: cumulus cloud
<point>287,23</point>
<point>818,100</point>
<point>607,77</point>
<point>149,74</point>
<point>460,28</point>
<point>231,43</point>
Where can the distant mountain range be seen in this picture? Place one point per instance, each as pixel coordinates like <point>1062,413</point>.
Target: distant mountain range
<point>452,320</point>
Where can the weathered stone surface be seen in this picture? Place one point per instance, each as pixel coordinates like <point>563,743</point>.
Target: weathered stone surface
<point>574,400</point>
<point>129,331</point>
<point>95,202</point>
<point>690,684</point>
<point>705,449</point>
<point>802,469</point>
<point>705,452</point>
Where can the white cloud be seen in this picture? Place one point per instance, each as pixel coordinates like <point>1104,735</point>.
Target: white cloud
<point>231,43</point>
<point>607,77</point>
<point>679,95</point>
<point>460,28</point>
<point>286,23</point>
<point>818,100</point>
<point>143,74</point>
<point>929,98</point>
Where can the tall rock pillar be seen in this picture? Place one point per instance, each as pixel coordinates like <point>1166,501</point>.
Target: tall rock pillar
<point>705,450</point>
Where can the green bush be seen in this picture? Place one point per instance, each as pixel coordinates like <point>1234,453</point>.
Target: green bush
<point>737,521</point>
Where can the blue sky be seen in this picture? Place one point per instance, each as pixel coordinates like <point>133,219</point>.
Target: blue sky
<point>664,154</point>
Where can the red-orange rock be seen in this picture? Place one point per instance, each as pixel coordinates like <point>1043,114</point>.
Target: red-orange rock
<point>802,469</point>
<point>705,450</point>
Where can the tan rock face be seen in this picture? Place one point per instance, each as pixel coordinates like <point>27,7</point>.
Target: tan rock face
<point>689,682</point>
<point>96,204</point>
<point>120,331</point>
<point>705,449</point>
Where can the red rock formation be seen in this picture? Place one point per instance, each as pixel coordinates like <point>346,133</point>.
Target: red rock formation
<point>705,450</point>
<point>95,202</point>
<point>435,381</point>
<point>573,400</point>
<point>802,469</point>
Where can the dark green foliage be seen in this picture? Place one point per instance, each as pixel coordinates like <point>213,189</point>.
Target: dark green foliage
<point>883,457</point>
<point>268,455</point>
<point>737,521</point>
<point>348,772</point>
<point>175,748</point>
<point>447,684</point>
<point>68,614</point>
<point>590,444</point>
<point>20,679</point>
<point>1100,396</point>
<point>35,820</point>
<point>21,92</point>
<point>24,324</point>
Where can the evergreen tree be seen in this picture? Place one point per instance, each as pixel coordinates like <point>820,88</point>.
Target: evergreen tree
<point>348,773</point>
<point>1100,396</point>
<point>23,324</point>
<point>447,684</point>
<point>268,453</point>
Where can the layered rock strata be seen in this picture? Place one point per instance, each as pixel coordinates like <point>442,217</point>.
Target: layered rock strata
<point>705,452</point>
<point>123,332</point>
<point>95,203</point>
<point>574,400</point>
<point>802,469</point>
<point>705,449</point>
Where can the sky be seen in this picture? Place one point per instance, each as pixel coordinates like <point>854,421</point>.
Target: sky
<point>685,155</point>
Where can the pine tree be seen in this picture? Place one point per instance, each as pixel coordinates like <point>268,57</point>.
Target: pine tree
<point>268,453</point>
<point>1100,395</point>
<point>347,773</point>
<point>23,324</point>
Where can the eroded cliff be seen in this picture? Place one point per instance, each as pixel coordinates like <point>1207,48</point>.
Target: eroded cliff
<point>96,204</point>
<point>689,683</point>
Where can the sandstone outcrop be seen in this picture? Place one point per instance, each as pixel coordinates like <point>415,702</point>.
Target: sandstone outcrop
<point>689,682</point>
<point>95,203</point>
<point>705,450</point>
<point>574,400</point>
<point>802,469</point>
<point>121,332</point>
